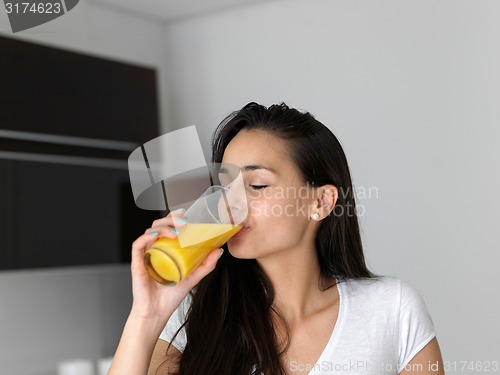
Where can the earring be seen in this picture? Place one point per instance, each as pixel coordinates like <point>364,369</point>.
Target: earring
<point>315,216</point>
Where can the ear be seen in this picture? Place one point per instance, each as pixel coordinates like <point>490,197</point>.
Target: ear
<point>326,198</point>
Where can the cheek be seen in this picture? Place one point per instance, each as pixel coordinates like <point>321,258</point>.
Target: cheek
<point>277,224</point>
<point>279,209</point>
<point>266,208</point>
<point>256,206</point>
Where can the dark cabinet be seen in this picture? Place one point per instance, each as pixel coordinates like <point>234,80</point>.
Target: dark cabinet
<point>59,215</point>
<point>68,123</point>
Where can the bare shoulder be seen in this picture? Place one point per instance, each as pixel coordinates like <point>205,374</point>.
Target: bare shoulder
<point>165,359</point>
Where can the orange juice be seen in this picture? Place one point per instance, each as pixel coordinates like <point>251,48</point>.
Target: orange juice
<point>168,262</point>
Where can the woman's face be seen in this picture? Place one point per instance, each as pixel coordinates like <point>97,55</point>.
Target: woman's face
<point>279,201</point>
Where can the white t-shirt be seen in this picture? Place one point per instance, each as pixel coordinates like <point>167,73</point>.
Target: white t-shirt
<point>382,324</point>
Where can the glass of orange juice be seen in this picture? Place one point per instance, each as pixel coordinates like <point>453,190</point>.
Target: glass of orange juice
<point>211,221</point>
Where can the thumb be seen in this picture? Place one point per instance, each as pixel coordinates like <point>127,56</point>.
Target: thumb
<point>207,266</point>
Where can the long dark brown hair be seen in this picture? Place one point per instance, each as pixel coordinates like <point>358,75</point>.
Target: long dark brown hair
<point>229,325</point>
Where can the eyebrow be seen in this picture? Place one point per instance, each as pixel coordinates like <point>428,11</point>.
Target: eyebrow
<point>251,167</point>
<point>255,167</point>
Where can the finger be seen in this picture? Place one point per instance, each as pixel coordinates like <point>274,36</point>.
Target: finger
<point>153,234</point>
<point>161,231</point>
<point>179,222</point>
<point>148,237</point>
<point>172,219</point>
<point>179,212</point>
<point>139,246</point>
<point>207,266</point>
<point>145,241</point>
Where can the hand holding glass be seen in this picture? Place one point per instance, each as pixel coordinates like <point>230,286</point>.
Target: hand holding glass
<point>212,220</point>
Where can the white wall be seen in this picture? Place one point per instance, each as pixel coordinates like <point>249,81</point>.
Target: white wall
<point>56,315</point>
<point>51,315</point>
<point>411,88</point>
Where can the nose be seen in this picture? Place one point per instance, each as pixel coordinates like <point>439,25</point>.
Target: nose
<point>233,206</point>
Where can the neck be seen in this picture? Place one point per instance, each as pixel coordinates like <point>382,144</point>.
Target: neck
<point>295,275</point>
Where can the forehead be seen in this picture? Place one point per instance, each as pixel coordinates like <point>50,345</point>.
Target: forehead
<point>256,147</point>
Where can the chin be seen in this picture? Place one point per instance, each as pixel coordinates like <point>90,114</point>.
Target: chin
<point>238,251</point>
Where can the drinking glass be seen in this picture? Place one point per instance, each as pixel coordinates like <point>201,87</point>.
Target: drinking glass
<point>212,220</point>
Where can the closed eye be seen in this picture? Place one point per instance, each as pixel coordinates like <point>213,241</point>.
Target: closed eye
<point>258,187</point>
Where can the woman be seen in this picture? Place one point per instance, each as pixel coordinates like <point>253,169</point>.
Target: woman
<point>292,295</point>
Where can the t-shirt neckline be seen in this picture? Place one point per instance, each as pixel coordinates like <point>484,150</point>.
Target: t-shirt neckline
<point>336,329</point>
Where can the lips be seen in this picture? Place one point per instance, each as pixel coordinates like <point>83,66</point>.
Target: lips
<point>242,231</point>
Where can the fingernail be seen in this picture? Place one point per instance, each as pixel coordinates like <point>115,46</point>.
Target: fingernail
<point>221,252</point>
<point>154,233</point>
<point>179,210</point>
<point>181,220</point>
<point>175,231</point>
